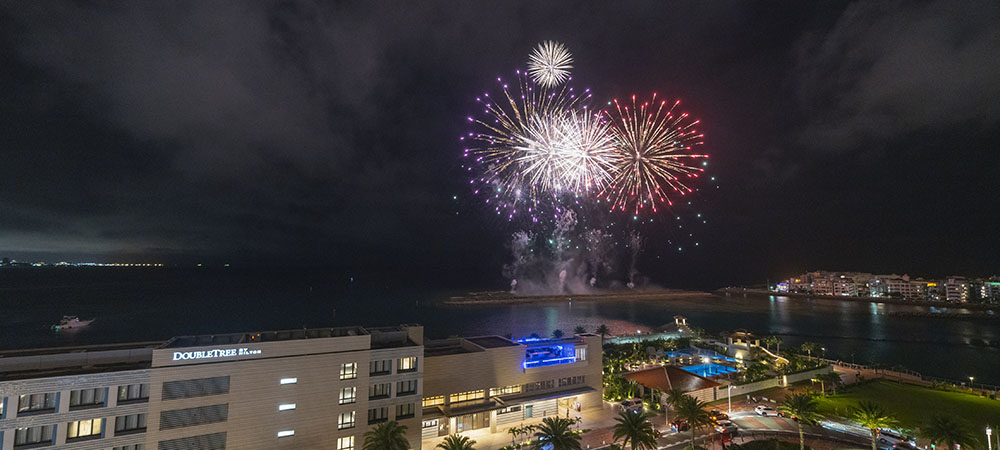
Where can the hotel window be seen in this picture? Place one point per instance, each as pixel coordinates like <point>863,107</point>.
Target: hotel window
<point>569,381</point>
<point>348,395</point>
<point>85,398</point>
<point>531,387</point>
<point>380,367</point>
<point>506,390</point>
<point>130,447</point>
<point>407,387</point>
<point>378,415</point>
<point>407,364</point>
<point>581,353</point>
<point>404,411</point>
<point>132,423</point>
<point>36,403</point>
<point>380,390</point>
<point>509,409</point>
<point>133,393</point>
<point>466,396</point>
<point>431,401</point>
<point>3,407</point>
<point>349,371</point>
<point>345,443</point>
<point>345,421</point>
<point>90,428</point>
<point>34,435</point>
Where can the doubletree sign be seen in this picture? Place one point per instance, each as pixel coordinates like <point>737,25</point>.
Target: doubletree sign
<point>217,353</point>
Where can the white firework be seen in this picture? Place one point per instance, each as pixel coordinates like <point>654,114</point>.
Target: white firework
<point>549,64</point>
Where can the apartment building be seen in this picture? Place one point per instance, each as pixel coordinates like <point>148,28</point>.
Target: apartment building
<point>487,384</point>
<point>320,388</point>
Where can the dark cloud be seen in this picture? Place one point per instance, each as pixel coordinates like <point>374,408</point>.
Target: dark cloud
<point>890,68</point>
<point>317,131</point>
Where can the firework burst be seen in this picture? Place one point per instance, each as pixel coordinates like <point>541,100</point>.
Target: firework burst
<point>653,154</point>
<point>549,64</point>
<point>519,149</point>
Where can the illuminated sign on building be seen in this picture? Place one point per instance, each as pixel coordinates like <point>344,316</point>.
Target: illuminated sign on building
<point>217,353</point>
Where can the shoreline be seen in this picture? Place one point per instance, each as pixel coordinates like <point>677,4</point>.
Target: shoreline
<point>729,292</point>
<point>506,298</point>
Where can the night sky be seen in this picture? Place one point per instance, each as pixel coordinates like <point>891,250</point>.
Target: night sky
<point>844,135</point>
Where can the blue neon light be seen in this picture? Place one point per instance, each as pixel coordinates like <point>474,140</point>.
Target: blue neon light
<point>549,362</point>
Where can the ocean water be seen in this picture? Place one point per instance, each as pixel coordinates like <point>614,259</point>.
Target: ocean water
<point>156,304</point>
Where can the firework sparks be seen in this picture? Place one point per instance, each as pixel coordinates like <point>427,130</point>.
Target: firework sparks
<point>654,152</point>
<point>549,64</point>
<point>521,149</point>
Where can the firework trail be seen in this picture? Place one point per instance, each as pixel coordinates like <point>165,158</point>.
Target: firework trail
<point>561,242</point>
<point>549,64</point>
<point>520,250</point>
<point>654,152</point>
<point>524,144</point>
<point>635,244</point>
<point>598,253</point>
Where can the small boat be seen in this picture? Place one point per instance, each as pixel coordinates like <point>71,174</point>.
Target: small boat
<point>68,322</point>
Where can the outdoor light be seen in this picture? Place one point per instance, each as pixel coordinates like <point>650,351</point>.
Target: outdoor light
<point>989,442</point>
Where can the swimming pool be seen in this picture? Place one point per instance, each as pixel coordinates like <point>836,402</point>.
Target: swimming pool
<point>707,370</point>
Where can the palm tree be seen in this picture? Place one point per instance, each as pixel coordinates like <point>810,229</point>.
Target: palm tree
<point>555,431</point>
<point>810,347</point>
<point>558,334</point>
<point>603,331</point>
<point>514,432</point>
<point>804,408</point>
<point>831,378</point>
<point>673,397</point>
<point>579,329</point>
<point>693,412</point>
<point>873,416</point>
<point>945,429</point>
<point>636,429</point>
<point>387,436</point>
<point>457,442</point>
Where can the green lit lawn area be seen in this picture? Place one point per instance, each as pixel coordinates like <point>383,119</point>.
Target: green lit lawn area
<point>913,405</point>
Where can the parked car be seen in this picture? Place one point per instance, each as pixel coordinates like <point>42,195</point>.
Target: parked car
<point>766,411</point>
<point>632,404</point>
<point>725,426</point>
<point>679,425</point>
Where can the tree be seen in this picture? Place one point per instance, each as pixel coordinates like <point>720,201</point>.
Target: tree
<point>948,430</point>
<point>810,347</point>
<point>387,436</point>
<point>557,334</point>
<point>603,331</point>
<point>635,428</point>
<point>579,329</point>
<point>804,408</point>
<point>831,378</point>
<point>457,442</point>
<point>873,416</point>
<point>693,412</point>
<point>514,432</point>
<point>672,397</point>
<point>555,431</point>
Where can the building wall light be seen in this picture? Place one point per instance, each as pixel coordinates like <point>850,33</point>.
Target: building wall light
<point>289,380</point>
<point>286,433</point>
<point>286,406</point>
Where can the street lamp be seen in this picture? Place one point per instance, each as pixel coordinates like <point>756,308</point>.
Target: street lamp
<point>989,441</point>
<point>730,397</point>
<point>970,381</point>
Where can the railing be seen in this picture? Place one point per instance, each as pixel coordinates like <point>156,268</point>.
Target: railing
<point>906,374</point>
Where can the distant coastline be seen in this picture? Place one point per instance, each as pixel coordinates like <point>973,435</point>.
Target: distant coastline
<point>507,298</point>
<point>890,301</point>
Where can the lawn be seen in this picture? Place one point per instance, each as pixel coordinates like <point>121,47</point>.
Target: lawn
<point>913,405</point>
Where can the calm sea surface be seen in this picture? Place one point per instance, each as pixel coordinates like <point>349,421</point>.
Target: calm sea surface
<point>155,304</point>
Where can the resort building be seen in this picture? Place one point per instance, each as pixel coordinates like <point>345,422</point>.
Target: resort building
<point>487,384</point>
<point>319,388</point>
<point>664,378</point>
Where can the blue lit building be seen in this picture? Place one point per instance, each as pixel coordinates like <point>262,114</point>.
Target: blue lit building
<point>487,384</point>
